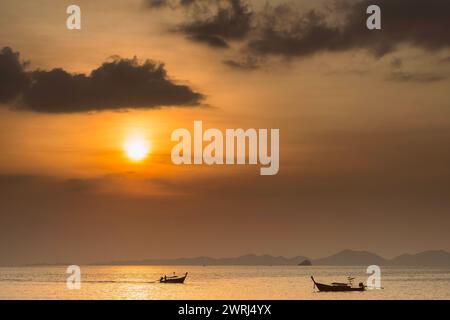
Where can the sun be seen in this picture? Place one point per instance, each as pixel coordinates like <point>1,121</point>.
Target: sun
<point>136,148</point>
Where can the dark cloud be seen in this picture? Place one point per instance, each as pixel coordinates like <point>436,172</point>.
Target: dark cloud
<point>211,40</point>
<point>213,22</point>
<point>156,3</point>
<point>168,3</point>
<point>115,85</point>
<point>123,83</point>
<point>13,78</point>
<point>216,22</point>
<point>249,63</point>
<point>284,30</point>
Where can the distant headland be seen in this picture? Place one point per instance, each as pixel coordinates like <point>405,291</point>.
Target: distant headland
<point>342,258</point>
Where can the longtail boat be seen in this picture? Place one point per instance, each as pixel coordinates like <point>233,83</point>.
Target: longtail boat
<point>173,279</point>
<point>337,286</point>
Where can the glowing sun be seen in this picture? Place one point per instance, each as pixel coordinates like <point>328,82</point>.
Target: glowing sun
<point>136,148</point>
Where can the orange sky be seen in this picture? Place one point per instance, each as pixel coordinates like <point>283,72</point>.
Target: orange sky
<point>357,149</point>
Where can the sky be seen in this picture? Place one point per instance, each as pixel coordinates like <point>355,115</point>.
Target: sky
<point>364,120</point>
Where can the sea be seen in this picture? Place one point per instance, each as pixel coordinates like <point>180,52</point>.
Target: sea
<point>220,282</point>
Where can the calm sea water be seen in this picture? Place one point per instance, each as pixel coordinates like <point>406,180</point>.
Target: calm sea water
<point>139,282</point>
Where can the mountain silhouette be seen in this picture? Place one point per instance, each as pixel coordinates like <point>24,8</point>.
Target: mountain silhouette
<point>342,258</point>
<point>245,260</point>
<point>426,258</point>
<point>351,258</point>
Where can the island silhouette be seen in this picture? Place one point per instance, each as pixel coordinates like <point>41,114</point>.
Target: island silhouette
<point>343,258</point>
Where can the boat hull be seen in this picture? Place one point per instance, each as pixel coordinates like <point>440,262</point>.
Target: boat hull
<point>173,280</point>
<point>336,288</point>
<point>327,288</point>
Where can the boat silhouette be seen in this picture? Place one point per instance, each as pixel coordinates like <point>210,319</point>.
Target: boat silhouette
<point>173,279</point>
<point>338,286</point>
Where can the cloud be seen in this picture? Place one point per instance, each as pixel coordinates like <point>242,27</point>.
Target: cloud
<point>398,74</point>
<point>211,40</point>
<point>285,30</point>
<point>213,22</point>
<point>115,85</point>
<point>218,22</point>
<point>156,3</point>
<point>168,3</point>
<point>13,78</point>
<point>402,76</point>
<point>250,63</point>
